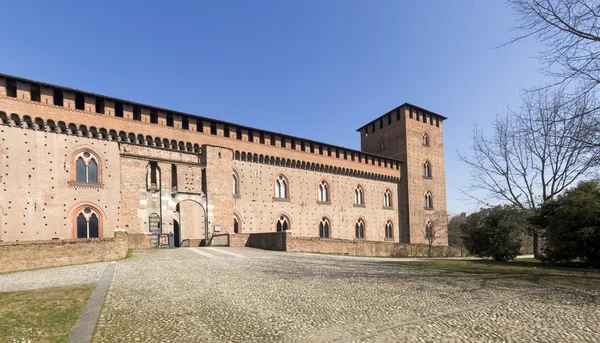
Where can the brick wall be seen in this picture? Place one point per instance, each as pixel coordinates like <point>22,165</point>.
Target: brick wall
<point>17,256</point>
<point>266,240</point>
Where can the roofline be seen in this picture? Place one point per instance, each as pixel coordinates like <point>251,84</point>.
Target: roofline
<point>191,115</point>
<point>394,109</point>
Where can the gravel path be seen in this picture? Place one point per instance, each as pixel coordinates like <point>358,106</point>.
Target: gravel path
<point>181,296</point>
<point>51,277</point>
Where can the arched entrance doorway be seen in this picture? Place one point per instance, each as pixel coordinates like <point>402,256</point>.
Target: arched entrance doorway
<point>176,234</point>
<point>189,225</point>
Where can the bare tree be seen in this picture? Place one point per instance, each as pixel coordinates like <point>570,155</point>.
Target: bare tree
<point>570,32</point>
<point>434,231</point>
<point>533,154</point>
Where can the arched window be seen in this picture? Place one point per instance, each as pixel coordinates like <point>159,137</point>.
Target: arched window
<point>281,187</point>
<point>389,229</point>
<point>86,168</point>
<point>429,230</point>
<point>358,196</point>
<point>428,200</point>
<point>425,140</point>
<point>359,229</point>
<point>324,228</point>
<point>88,225</point>
<point>387,198</point>
<point>236,225</point>
<point>282,224</point>
<point>323,191</point>
<point>235,186</point>
<point>427,169</point>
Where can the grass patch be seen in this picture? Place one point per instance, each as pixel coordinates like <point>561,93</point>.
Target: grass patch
<point>43,315</point>
<point>553,274</point>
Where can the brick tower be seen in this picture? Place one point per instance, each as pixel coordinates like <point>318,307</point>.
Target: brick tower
<point>414,136</point>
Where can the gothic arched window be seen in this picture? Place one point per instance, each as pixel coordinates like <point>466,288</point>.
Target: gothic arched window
<point>323,191</point>
<point>235,186</point>
<point>389,229</point>
<point>324,228</point>
<point>427,169</point>
<point>359,229</point>
<point>282,224</point>
<point>387,198</point>
<point>425,140</point>
<point>281,190</point>
<point>428,200</point>
<point>358,196</point>
<point>86,168</point>
<point>88,223</point>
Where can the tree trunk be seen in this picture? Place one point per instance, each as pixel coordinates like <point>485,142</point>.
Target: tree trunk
<point>536,247</point>
<point>429,252</point>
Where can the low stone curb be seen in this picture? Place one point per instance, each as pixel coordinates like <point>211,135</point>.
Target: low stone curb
<point>84,328</point>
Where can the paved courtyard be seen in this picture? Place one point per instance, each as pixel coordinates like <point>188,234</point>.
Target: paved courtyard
<point>248,295</point>
<point>227,294</point>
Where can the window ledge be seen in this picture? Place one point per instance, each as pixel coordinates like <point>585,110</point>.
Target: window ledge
<point>281,199</point>
<point>359,239</point>
<point>323,202</point>
<point>427,177</point>
<point>359,205</point>
<point>428,208</point>
<point>85,185</point>
<point>388,207</point>
<point>425,145</point>
<point>391,239</point>
<point>237,196</point>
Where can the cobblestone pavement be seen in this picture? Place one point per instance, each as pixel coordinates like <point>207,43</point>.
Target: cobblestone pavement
<point>51,277</point>
<point>264,296</point>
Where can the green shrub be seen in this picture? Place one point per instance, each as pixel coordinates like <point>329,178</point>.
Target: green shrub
<point>495,232</point>
<point>571,224</point>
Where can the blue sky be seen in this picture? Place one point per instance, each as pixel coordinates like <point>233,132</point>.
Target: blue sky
<point>314,69</point>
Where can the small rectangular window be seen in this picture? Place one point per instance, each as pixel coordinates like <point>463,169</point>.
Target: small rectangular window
<point>373,127</point>
<point>424,117</point>
<point>293,144</point>
<point>410,111</point>
<point>36,94</point>
<point>312,148</point>
<point>379,161</point>
<point>262,138</point>
<point>302,146</point>
<point>389,116</point>
<point>329,151</point>
<point>153,117</point>
<point>437,122</point>
<point>100,105</point>
<point>79,101</point>
<point>238,133</point>
<point>170,120</point>
<point>58,97</point>
<point>11,88</point>
<point>320,149</point>
<point>337,153</point>
<point>118,109</point>
<point>397,114</point>
<point>213,128</point>
<point>272,139</point>
<point>199,126</point>
<point>345,155</point>
<point>226,131</point>
<point>137,113</point>
<point>352,156</point>
<point>430,119</point>
<point>381,123</point>
<point>185,122</point>
<point>174,176</point>
<point>284,141</point>
<point>250,136</point>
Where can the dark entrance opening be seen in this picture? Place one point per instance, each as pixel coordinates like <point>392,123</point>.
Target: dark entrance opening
<point>176,234</point>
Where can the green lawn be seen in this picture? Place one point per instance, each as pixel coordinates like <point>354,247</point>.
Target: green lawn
<point>44,315</point>
<point>537,271</point>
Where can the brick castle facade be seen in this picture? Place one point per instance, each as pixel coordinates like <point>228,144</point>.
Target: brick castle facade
<point>75,165</point>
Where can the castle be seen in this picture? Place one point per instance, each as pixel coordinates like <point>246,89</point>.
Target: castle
<point>77,165</point>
